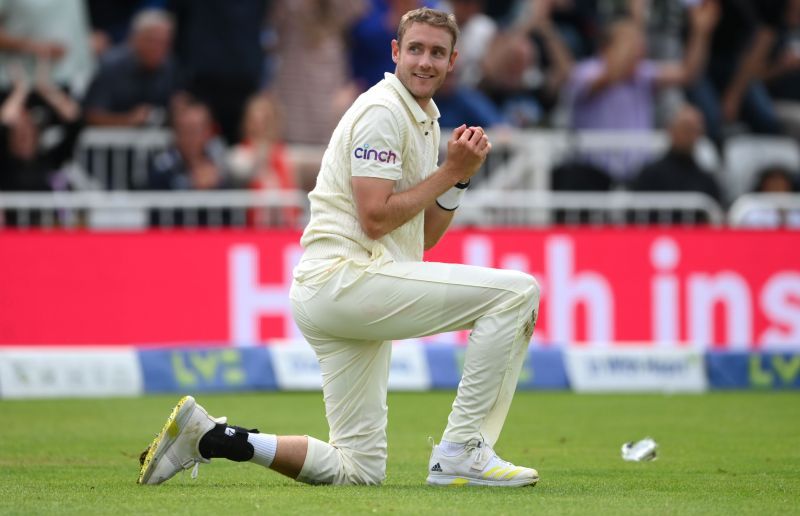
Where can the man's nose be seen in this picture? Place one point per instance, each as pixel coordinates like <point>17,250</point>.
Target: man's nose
<point>425,61</point>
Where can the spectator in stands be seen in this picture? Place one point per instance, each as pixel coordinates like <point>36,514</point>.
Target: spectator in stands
<point>513,76</point>
<point>220,56</point>
<point>774,180</point>
<point>461,104</point>
<point>52,29</point>
<point>260,160</point>
<point>665,23</point>
<point>196,161</point>
<point>371,35</point>
<point>783,72</point>
<point>313,83</point>
<point>732,90</point>
<point>615,91</point>
<point>577,22</point>
<point>677,170</point>
<point>477,32</point>
<point>26,164</point>
<point>508,78</point>
<point>135,82</point>
<point>110,21</point>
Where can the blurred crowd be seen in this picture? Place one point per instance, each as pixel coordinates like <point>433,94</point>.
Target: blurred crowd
<point>238,80</point>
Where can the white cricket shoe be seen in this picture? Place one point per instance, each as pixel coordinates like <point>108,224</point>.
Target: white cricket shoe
<point>477,465</point>
<point>175,448</point>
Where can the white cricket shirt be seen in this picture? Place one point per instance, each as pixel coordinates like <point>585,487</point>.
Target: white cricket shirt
<point>384,134</point>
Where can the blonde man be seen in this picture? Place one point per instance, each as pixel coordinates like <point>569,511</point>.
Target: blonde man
<point>379,202</point>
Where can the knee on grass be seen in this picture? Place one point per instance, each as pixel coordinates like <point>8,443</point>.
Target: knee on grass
<point>328,464</point>
<point>361,467</point>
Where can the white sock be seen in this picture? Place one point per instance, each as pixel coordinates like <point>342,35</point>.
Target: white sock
<point>264,447</point>
<point>451,449</point>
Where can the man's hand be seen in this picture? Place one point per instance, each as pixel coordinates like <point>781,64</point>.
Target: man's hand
<point>539,13</point>
<point>381,210</point>
<point>704,16</point>
<point>466,151</point>
<point>204,175</point>
<point>65,106</point>
<point>14,104</point>
<point>47,49</point>
<point>139,115</point>
<point>43,76</point>
<point>19,76</point>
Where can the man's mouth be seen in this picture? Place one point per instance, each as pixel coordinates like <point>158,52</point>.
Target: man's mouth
<point>423,76</point>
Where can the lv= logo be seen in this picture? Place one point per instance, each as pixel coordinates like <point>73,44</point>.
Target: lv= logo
<point>194,368</point>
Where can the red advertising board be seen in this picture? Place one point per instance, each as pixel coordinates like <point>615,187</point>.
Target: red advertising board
<point>600,287</point>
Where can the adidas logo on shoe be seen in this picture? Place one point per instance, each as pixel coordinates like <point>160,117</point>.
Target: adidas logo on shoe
<point>436,467</point>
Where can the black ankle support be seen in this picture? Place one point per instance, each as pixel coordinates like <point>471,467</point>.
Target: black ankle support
<point>227,442</point>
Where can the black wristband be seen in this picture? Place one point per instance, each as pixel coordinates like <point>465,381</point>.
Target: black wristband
<point>462,186</point>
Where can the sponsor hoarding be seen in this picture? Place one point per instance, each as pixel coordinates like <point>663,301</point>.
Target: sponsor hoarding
<point>739,370</point>
<point>207,370</point>
<point>635,370</point>
<point>716,289</point>
<point>44,372</point>
<point>69,372</point>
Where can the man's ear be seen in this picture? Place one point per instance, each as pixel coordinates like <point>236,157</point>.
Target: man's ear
<point>452,63</point>
<point>395,51</point>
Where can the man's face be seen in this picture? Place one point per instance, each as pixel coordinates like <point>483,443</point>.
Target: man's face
<point>686,129</point>
<point>193,130</point>
<point>423,59</point>
<point>152,45</point>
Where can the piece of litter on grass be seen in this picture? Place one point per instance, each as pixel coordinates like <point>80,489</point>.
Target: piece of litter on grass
<point>639,451</point>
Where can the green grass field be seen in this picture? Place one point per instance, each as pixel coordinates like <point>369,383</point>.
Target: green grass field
<point>721,453</point>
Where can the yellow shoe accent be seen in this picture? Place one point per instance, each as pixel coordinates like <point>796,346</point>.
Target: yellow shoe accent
<point>514,473</point>
<point>500,474</point>
<point>459,482</point>
<point>491,472</point>
<point>171,428</point>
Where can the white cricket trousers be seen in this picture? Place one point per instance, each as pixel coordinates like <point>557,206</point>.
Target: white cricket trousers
<point>350,321</point>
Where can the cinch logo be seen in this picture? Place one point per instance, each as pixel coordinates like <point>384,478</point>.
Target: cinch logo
<point>365,152</point>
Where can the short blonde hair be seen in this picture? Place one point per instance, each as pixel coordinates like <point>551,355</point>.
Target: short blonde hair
<point>431,17</point>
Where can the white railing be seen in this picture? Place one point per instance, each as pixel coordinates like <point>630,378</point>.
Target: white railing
<point>525,158</point>
<point>535,208</point>
<point>512,189</point>
<point>139,210</point>
<point>288,208</point>
<point>116,158</point>
<point>766,211</point>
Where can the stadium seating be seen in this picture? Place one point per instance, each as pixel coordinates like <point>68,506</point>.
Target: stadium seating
<point>512,189</point>
<point>746,155</point>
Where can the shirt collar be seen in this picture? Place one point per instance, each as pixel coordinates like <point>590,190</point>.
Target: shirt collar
<point>420,115</point>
